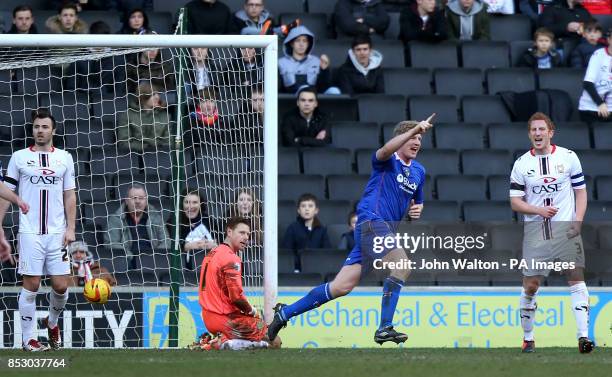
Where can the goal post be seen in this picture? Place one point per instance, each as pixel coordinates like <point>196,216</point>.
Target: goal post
<point>99,46</point>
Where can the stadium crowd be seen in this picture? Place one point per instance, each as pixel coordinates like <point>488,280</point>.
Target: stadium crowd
<point>482,66</point>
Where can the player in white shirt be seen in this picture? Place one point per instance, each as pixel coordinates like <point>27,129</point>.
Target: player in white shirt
<point>45,177</point>
<point>547,186</point>
<point>595,102</point>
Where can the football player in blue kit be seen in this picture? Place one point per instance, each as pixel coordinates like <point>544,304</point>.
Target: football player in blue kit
<point>395,186</point>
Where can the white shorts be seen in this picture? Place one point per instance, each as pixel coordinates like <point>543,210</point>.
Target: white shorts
<point>557,248</point>
<point>41,255</point>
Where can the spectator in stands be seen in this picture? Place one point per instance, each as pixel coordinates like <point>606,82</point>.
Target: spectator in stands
<point>67,21</point>
<point>253,18</point>
<point>591,41</point>
<point>347,240</point>
<point>468,20</point>
<point>208,17</point>
<point>136,226</point>
<point>306,232</point>
<point>23,21</point>
<point>194,227</point>
<point>81,256</point>
<point>151,66</point>
<point>565,18</point>
<point>361,73</point>
<point>500,6</point>
<point>422,21</point>
<point>82,5</point>
<point>145,126</point>
<point>136,22</point>
<point>246,205</point>
<point>531,9</point>
<point>543,54</point>
<point>201,72</point>
<point>246,70</point>
<point>306,125</point>
<point>206,112</point>
<point>298,67</point>
<point>355,17</point>
<point>596,101</point>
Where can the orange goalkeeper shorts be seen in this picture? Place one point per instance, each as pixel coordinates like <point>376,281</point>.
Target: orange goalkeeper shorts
<point>235,326</point>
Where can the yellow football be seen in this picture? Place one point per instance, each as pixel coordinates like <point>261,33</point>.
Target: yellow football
<point>97,291</point>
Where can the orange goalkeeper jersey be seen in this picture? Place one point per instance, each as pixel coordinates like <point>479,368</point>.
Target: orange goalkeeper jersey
<point>221,283</point>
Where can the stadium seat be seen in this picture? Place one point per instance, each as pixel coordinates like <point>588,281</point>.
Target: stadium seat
<point>38,80</point>
<point>604,236</point>
<point>336,50</point>
<point>364,160</point>
<point>484,109</point>
<point>426,55</point>
<point>112,19</point>
<point>439,210</point>
<point>346,187</point>
<point>459,136</point>
<point>486,161</point>
<point>93,188</point>
<point>445,108</point>
<point>513,27</point>
<point>323,261</point>
<point>487,211</point>
<point>595,162</point>
<point>334,211</point>
<point>483,55</point>
<point>572,135</point>
<point>506,237</point>
<point>315,22</point>
<point>355,135</point>
<point>87,134</point>
<point>299,280</point>
<point>426,140</point>
<point>508,136</point>
<point>439,161</point>
<point>407,81</point>
<point>66,106</point>
<point>499,187</point>
<point>393,30</point>
<point>339,108</point>
<point>602,135</point>
<point>598,210</point>
<point>158,164</point>
<point>370,106</point>
<point>287,213</point>
<point>290,187</point>
<point>6,82</point>
<point>335,232</point>
<point>327,161</point>
<point>452,81</point>
<point>567,79</point>
<point>392,51</point>
<point>286,261</point>
<point>461,187</point>
<point>517,49</point>
<point>106,161</point>
<point>604,188</point>
<point>9,5</point>
<point>510,79</point>
<point>109,109</point>
<point>288,161</point>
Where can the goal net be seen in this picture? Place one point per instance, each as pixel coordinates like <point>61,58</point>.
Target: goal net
<point>167,136</point>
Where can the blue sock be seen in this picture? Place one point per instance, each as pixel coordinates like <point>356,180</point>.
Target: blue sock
<point>316,297</point>
<point>391,290</point>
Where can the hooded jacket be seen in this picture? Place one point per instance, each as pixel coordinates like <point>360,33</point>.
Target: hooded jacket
<point>295,126</point>
<point>296,73</point>
<point>142,129</point>
<point>244,25</point>
<point>474,23</point>
<point>530,59</point>
<point>298,236</point>
<point>556,17</point>
<point>372,11</point>
<point>412,27</point>
<point>353,78</point>
<point>579,58</point>
<point>54,25</point>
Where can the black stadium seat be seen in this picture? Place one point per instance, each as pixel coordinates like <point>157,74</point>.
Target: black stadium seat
<point>392,51</point>
<point>327,161</point>
<point>483,55</point>
<point>439,161</point>
<point>604,187</point>
<point>381,108</point>
<point>572,135</point>
<point>407,81</point>
<point>487,211</point>
<point>364,160</point>
<point>461,187</point>
<point>355,135</point>
<point>346,187</point>
<point>336,50</point>
<point>334,211</point>
<point>595,162</point>
<point>567,79</point>
<point>338,107</point>
<point>322,261</point>
<point>451,81</point>
<point>290,187</point>
<point>509,136</point>
<point>598,210</point>
<point>517,49</point>
<point>484,109</point>
<point>440,210</point>
<point>288,161</point>
<point>510,79</point>
<point>426,55</point>
<point>510,27</point>
<point>459,136</point>
<point>445,108</point>
<point>299,280</point>
<point>486,161</point>
<point>499,187</point>
<point>602,135</point>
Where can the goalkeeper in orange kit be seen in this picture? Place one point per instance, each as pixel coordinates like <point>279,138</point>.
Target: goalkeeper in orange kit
<point>225,308</point>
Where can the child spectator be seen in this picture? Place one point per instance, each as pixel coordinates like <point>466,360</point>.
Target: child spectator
<point>306,125</point>
<point>468,20</point>
<point>306,232</point>
<point>66,21</point>
<point>206,112</point>
<point>355,17</point>
<point>543,54</point>
<point>361,73</point>
<point>422,21</point>
<point>298,67</point>
<point>136,22</point>
<point>347,240</point>
<point>579,58</point>
<point>80,256</point>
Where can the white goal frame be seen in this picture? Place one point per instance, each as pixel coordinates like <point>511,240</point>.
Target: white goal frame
<point>270,45</point>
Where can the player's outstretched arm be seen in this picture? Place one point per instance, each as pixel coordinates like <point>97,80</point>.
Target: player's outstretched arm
<point>519,205</point>
<point>8,194</point>
<point>387,150</point>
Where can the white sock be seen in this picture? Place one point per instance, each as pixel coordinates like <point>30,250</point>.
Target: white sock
<point>27,312</point>
<point>580,307</point>
<point>57,302</point>
<point>241,344</point>
<point>528,308</point>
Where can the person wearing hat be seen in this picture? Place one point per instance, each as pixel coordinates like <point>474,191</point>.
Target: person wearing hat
<point>80,256</point>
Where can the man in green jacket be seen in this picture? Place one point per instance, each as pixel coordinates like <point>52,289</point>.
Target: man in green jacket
<point>468,20</point>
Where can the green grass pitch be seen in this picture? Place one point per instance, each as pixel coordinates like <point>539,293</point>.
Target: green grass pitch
<point>425,362</point>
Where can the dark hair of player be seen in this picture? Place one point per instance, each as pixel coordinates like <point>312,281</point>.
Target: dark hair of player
<point>43,113</point>
<point>235,221</point>
<point>541,116</point>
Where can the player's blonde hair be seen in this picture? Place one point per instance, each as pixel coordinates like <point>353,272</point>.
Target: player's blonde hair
<point>404,126</point>
<point>541,116</point>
